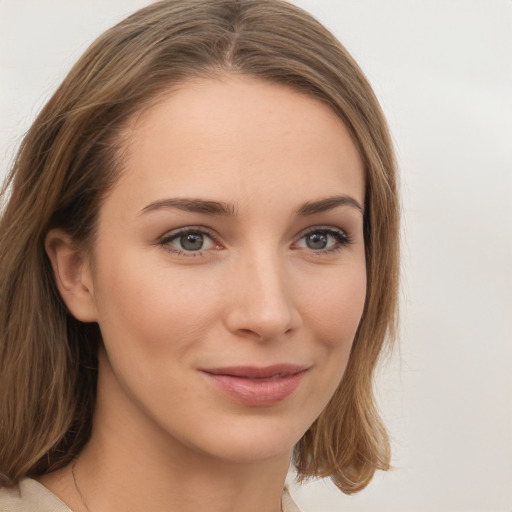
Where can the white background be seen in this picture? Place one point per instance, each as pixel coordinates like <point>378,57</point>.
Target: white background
<point>443,72</point>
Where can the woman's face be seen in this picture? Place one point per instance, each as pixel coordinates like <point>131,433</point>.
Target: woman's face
<point>228,275</point>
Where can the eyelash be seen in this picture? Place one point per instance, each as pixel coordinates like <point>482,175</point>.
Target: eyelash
<point>342,238</point>
<point>167,239</point>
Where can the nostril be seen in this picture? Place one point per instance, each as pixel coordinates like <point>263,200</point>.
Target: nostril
<point>251,332</point>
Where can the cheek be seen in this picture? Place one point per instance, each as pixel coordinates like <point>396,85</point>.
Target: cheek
<point>153,309</point>
<point>335,309</point>
<point>332,314</point>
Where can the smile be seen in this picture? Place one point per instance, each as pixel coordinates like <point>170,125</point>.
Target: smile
<point>257,386</point>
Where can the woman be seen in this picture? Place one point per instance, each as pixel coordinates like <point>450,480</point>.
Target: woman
<point>198,268</point>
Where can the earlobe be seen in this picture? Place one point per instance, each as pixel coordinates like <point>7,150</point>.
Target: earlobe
<point>72,275</point>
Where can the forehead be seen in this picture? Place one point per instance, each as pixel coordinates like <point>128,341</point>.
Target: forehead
<point>240,135</point>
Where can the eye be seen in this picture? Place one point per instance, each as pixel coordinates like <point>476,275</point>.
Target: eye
<point>188,240</point>
<point>323,239</point>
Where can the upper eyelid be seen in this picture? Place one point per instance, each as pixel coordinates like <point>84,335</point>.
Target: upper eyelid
<point>321,227</point>
<point>190,229</point>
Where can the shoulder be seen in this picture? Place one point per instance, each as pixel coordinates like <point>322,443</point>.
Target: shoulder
<point>287,503</point>
<point>30,496</point>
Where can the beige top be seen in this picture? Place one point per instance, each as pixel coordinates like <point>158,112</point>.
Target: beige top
<point>30,496</point>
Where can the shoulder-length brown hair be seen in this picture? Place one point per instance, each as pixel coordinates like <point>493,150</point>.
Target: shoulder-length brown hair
<point>72,156</point>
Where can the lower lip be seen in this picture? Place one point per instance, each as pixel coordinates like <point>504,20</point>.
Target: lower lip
<point>257,392</point>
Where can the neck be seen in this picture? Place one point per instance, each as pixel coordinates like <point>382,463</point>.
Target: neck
<point>131,482</point>
<point>132,464</point>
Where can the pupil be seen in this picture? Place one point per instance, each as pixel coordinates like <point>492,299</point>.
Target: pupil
<point>192,241</point>
<point>317,241</point>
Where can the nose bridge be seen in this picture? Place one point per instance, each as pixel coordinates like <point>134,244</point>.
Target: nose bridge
<point>264,305</point>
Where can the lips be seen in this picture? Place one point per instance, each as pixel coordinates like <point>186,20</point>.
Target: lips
<point>257,386</point>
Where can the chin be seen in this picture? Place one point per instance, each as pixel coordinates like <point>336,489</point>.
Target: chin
<point>252,440</point>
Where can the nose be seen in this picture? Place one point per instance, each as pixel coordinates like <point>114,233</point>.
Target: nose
<point>262,305</point>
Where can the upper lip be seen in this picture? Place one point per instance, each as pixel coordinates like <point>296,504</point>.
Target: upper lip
<point>258,372</point>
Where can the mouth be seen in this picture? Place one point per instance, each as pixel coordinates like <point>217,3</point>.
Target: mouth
<point>257,386</point>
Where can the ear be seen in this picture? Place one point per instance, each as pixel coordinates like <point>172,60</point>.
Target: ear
<point>72,275</point>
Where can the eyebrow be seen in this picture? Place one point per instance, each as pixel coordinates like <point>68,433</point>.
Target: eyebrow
<point>221,208</point>
<point>193,205</point>
<point>323,205</point>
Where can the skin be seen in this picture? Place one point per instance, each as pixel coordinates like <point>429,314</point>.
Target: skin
<point>165,437</point>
